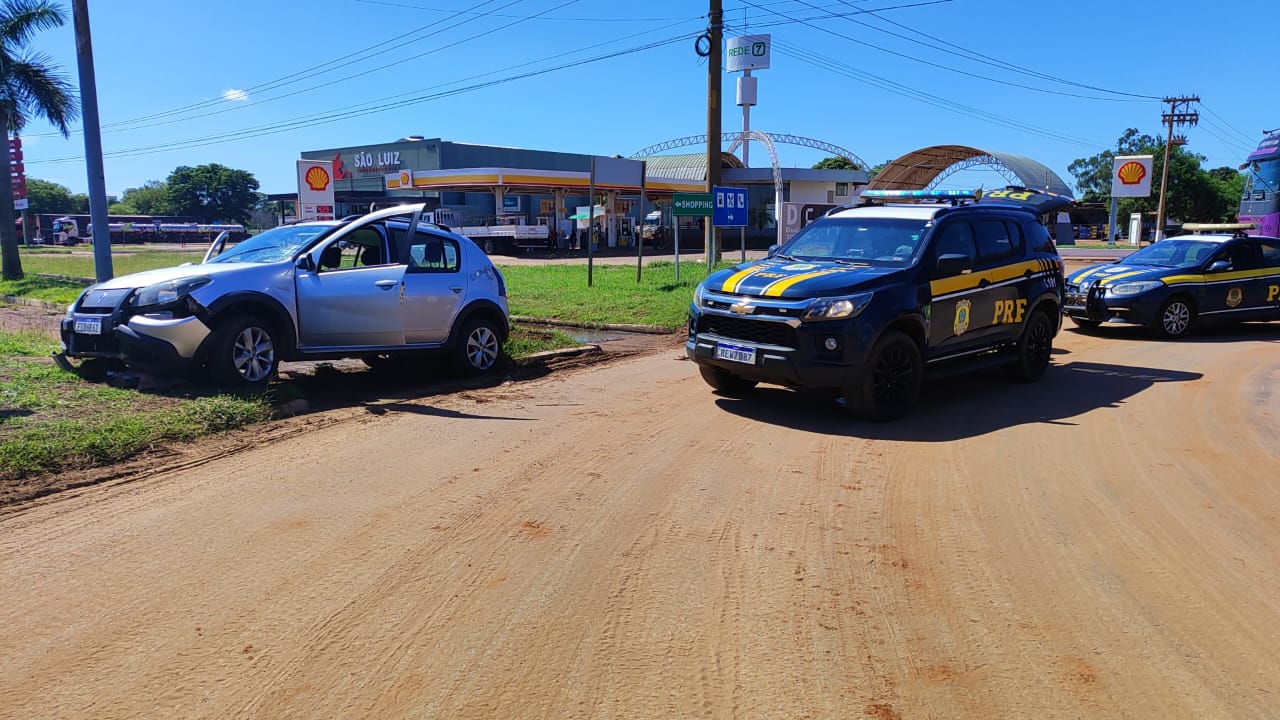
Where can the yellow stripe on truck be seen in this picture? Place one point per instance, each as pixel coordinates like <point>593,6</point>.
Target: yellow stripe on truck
<point>776,288</point>
<point>731,285</point>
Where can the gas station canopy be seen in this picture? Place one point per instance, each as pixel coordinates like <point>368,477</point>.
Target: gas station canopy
<point>526,180</point>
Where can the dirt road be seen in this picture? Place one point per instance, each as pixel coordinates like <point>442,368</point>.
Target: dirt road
<point>621,543</point>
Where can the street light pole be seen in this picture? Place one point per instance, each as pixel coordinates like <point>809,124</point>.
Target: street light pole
<point>102,269</point>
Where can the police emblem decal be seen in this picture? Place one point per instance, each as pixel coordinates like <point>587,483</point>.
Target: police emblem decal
<point>1234,297</point>
<point>962,317</point>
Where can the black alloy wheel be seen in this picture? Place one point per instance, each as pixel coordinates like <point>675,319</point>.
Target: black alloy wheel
<point>1035,348</point>
<point>890,383</point>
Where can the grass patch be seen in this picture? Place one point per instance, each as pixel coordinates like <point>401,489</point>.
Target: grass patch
<point>52,421</point>
<point>60,292</point>
<point>525,341</point>
<point>560,292</point>
<point>80,262</point>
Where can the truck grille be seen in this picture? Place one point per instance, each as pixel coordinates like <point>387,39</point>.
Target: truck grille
<point>760,332</point>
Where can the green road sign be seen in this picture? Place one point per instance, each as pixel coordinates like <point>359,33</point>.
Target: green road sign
<point>692,205</point>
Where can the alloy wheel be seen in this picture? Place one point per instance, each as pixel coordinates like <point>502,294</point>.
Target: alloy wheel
<point>253,354</point>
<point>482,348</point>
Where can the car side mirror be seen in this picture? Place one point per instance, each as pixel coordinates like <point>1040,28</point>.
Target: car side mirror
<point>1219,266</point>
<point>304,262</point>
<point>952,265</point>
<point>773,250</point>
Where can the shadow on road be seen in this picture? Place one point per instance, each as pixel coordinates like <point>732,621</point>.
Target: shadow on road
<point>965,406</point>
<point>1226,333</point>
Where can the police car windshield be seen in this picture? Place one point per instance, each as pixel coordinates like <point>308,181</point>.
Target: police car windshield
<point>1174,253</point>
<point>870,241</point>
<point>274,245</point>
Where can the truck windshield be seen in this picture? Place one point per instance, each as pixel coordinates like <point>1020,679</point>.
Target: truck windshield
<point>871,241</point>
<point>274,245</point>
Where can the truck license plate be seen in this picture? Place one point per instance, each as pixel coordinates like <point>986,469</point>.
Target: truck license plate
<point>736,353</point>
<point>89,326</point>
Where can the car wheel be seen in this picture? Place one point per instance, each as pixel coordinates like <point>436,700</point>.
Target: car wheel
<point>1175,317</point>
<point>725,382</point>
<point>478,348</point>
<point>1034,349</point>
<point>244,352</point>
<point>1086,324</point>
<point>889,384</point>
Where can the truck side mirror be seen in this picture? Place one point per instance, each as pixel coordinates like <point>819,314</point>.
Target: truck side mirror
<point>773,250</point>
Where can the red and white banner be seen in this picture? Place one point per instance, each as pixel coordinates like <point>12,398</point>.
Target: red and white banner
<point>17,174</point>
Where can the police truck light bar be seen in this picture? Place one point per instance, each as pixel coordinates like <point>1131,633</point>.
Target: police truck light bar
<point>919,194</point>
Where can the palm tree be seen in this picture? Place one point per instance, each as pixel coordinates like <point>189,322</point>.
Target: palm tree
<point>30,85</point>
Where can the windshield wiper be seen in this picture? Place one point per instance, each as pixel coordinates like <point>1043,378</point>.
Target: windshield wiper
<point>788,258</point>
<point>843,261</point>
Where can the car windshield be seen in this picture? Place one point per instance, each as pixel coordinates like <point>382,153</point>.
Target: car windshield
<point>869,241</point>
<point>274,245</point>
<point>1174,253</point>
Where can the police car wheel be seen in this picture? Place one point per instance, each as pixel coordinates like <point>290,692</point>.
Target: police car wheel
<point>1034,349</point>
<point>1175,317</point>
<point>890,383</point>
<point>725,382</point>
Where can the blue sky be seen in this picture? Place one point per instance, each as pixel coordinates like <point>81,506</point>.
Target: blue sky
<point>252,84</point>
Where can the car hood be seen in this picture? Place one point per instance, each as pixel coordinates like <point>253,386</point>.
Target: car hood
<point>794,279</point>
<point>1110,273</point>
<point>151,277</point>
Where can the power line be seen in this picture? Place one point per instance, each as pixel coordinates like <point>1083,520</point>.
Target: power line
<point>1245,136</point>
<point>520,17</point>
<point>313,121</point>
<point>922,61</point>
<point>831,15</point>
<point>974,55</point>
<point>841,68</point>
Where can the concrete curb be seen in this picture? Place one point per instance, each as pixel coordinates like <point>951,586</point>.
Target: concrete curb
<point>45,304</point>
<point>620,327</point>
<point>558,353</point>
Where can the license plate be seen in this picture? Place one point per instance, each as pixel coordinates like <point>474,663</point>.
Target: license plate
<point>89,326</point>
<point>736,353</point>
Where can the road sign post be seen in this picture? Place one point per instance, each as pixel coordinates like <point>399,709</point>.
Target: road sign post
<point>688,205</point>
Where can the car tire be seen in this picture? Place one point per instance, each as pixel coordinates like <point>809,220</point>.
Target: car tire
<point>725,382</point>
<point>478,347</point>
<point>244,353</point>
<point>1175,318</point>
<point>1035,349</point>
<point>1086,325</point>
<point>889,383</point>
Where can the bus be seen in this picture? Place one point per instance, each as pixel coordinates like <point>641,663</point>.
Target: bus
<point>1260,203</point>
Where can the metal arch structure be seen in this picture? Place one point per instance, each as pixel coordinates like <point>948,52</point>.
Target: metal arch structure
<point>767,141</point>
<point>735,139</point>
<point>926,167</point>
<point>976,161</point>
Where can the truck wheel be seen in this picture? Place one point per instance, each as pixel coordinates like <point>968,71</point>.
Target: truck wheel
<point>478,347</point>
<point>725,382</point>
<point>489,246</point>
<point>1034,349</point>
<point>889,384</point>
<point>244,353</point>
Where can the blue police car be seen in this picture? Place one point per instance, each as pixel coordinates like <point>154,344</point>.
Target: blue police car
<point>1172,285</point>
<point>864,299</point>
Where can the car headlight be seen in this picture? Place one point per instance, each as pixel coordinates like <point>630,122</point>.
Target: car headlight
<point>698,295</point>
<point>166,292</point>
<point>1134,288</point>
<point>834,308</point>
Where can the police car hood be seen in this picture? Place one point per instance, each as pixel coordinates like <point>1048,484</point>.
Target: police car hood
<point>1110,273</point>
<point>795,279</point>
<point>151,277</point>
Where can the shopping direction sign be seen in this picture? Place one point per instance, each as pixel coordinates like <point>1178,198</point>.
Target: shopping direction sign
<point>692,204</point>
<point>731,207</point>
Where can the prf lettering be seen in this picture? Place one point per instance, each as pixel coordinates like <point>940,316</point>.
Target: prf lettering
<point>1273,293</point>
<point>1009,311</point>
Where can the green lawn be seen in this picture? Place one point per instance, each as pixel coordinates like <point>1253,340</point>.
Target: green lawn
<point>123,262</point>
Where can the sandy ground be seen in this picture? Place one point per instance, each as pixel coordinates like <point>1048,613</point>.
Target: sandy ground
<point>619,542</point>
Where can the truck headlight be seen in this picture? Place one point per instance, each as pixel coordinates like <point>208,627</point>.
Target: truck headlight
<point>1134,288</point>
<point>834,308</point>
<point>698,295</point>
<point>163,293</point>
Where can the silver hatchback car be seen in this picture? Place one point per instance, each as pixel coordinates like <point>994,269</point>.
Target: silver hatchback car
<point>384,287</point>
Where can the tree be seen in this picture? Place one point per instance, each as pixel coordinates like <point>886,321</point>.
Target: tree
<point>30,85</point>
<point>150,199</point>
<point>212,192</point>
<point>50,197</point>
<point>836,162</point>
<point>1194,194</point>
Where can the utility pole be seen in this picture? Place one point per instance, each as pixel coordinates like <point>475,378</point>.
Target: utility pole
<point>1180,113</point>
<point>92,144</point>
<point>715,33</point>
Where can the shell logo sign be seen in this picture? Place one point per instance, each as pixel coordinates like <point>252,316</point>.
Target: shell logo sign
<point>1131,173</point>
<point>317,178</point>
<point>405,180</point>
<point>1131,176</point>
